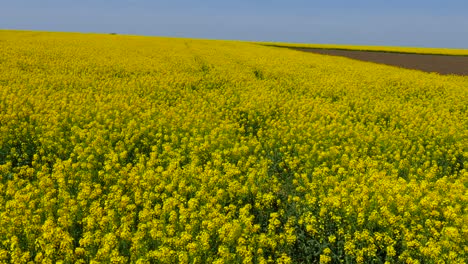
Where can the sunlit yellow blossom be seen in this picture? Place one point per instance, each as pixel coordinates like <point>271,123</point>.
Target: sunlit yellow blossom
<point>128,149</point>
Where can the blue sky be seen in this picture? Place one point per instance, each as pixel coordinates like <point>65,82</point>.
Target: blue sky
<point>428,23</point>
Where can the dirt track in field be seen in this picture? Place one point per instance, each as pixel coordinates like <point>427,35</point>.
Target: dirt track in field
<point>443,64</point>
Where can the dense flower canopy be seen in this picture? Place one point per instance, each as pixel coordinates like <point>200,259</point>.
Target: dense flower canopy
<point>117,149</point>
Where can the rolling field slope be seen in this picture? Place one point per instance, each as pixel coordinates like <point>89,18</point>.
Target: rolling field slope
<point>388,49</point>
<point>118,149</point>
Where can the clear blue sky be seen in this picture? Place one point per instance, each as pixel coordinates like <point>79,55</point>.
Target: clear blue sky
<point>429,23</point>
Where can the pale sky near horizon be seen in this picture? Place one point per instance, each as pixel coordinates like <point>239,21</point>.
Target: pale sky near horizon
<point>420,23</point>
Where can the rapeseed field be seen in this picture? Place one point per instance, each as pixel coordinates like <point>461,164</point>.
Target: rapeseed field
<point>127,149</point>
<point>409,50</point>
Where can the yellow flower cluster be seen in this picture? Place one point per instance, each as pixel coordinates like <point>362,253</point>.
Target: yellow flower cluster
<point>118,149</point>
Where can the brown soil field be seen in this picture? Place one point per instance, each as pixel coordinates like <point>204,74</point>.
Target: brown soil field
<point>443,64</point>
